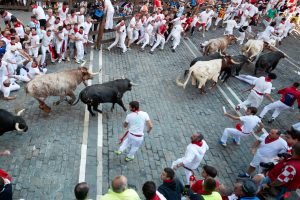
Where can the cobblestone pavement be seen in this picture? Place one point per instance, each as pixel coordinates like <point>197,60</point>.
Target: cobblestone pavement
<point>45,161</point>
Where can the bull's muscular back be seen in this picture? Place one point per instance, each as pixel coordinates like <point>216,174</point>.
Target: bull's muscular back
<point>218,44</point>
<point>95,94</point>
<point>54,84</point>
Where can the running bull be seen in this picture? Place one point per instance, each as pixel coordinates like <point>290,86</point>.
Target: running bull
<point>10,122</point>
<point>218,44</point>
<point>202,71</point>
<point>268,61</point>
<point>109,92</point>
<point>60,84</point>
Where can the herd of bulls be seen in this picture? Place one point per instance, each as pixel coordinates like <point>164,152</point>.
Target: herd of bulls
<point>215,64</point>
<point>208,67</point>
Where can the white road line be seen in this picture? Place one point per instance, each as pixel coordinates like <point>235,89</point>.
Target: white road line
<point>100,139</point>
<point>85,134</point>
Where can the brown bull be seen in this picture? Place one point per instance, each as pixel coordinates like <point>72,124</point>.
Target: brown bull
<point>60,84</point>
<point>218,44</point>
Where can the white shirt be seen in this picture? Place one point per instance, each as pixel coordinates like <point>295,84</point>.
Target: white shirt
<point>108,6</point>
<point>7,17</point>
<point>80,20</point>
<point>136,122</point>
<point>79,36</point>
<point>39,12</point>
<point>211,13</point>
<point>86,27</point>
<point>131,23</point>
<point>34,40</point>
<point>204,16</point>
<point>62,15</point>
<point>47,39</point>
<point>50,20</point>
<point>262,86</point>
<point>3,70</point>
<point>72,19</point>
<point>230,24</point>
<point>268,31</point>
<point>249,123</point>
<point>194,155</point>
<point>195,20</point>
<point>270,150</point>
<point>32,71</point>
<point>149,29</point>
<point>20,31</point>
<point>253,10</point>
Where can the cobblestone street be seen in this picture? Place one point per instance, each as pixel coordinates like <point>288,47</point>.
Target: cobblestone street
<point>46,160</point>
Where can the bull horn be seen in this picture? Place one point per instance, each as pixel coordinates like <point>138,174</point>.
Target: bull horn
<point>237,63</point>
<point>18,128</point>
<point>82,64</point>
<point>134,84</point>
<point>20,112</point>
<point>96,73</point>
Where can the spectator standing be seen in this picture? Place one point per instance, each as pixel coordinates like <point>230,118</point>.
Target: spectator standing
<point>120,191</point>
<point>150,192</point>
<point>81,191</point>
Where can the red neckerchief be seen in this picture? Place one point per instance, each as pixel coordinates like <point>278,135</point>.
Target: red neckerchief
<point>34,6</point>
<point>156,197</point>
<point>81,32</point>
<point>7,37</point>
<point>12,44</point>
<point>35,21</point>
<point>238,126</point>
<point>17,25</point>
<point>269,140</point>
<point>64,8</point>
<point>75,30</point>
<point>267,79</point>
<point>198,143</point>
<point>136,111</point>
<point>282,22</point>
<point>168,181</point>
<point>56,22</point>
<point>33,34</point>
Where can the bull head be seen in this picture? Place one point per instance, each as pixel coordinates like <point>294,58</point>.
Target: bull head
<point>17,125</point>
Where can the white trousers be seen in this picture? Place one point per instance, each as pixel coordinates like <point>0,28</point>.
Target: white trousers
<point>253,99</point>
<point>228,32</point>
<point>187,173</point>
<point>80,51</point>
<point>277,106</point>
<point>232,132</point>
<point>44,51</point>
<point>117,39</point>
<point>217,21</point>
<point>65,44</point>
<point>241,38</point>
<point>34,52</point>
<point>23,76</point>
<point>160,40</point>
<point>133,142</point>
<point>109,19</point>
<point>247,78</point>
<point>145,40</point>
<point>176,40</point>
<point>208,24</point>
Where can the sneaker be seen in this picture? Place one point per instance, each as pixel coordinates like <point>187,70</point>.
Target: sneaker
<point>59,61</point>
<point>151,52</point>
<point>82,61</point>
<point>222,143</point>
<point>118,152</point>
<point>127,159</point>
<point>235,142</point>
<point>78,61</point>
<point>108,49</point>
<point>68,59</point>
<point>244,175</point>
<point>271,121</point>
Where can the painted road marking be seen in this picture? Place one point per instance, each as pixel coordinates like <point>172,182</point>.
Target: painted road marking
<point>85,133</point>
<point>100,138</point>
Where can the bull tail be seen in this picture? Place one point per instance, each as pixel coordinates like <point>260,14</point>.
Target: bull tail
<point>77,100</point>
<point>186,81</point>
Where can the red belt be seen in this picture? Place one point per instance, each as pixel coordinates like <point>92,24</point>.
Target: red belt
<point>136,135</point>
<point>258,93</point>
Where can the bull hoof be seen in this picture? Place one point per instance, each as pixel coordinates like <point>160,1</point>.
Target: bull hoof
<point>45,108</point>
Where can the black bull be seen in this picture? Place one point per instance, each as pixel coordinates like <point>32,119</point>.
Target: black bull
<point>109,92</point>
<point>10,122</point>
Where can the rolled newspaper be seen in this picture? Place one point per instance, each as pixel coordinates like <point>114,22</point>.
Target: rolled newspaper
<point>224,109</point>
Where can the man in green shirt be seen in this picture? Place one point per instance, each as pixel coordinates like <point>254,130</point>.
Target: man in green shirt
<point>272,13</point>
<point>119,190</point>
